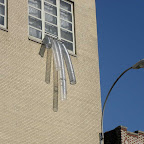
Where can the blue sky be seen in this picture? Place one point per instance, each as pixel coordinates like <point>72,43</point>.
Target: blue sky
<point>121,44</point>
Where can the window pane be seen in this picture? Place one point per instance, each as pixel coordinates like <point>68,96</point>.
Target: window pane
<point>65,15</point>
<point>2,10</point>
<point>35,3</point>
<point>34,12</point>
<point>65,5</point>
<point>66,25</point>
<point>35,33</point>
<point>51,19</point>
<point>1,20</point>
<point>35,22</point>
<point>51,29</point>
<point>68,45</point>
<point>51,9</point>
<point>51,1</point>
<point>66,35</point>
<point>2,1</point>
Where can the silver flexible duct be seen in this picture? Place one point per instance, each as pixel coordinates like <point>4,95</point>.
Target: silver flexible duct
<point>56,55</point>
<point>60,54</point>
<point>48,66</point>
<point>42,50</point>
<point>62,74</point>
<point>60,67</point>
<point>46,43</point>
<point>69,65</point>
<point>55,88</point>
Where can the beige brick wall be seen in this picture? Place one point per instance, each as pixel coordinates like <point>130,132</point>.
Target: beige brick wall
<point>26,115</point>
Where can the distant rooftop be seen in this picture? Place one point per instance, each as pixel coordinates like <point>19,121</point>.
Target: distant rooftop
<point>120,135</point>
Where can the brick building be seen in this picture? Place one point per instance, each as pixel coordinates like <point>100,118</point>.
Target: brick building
<point>120,135</point>
<point>26,101</point>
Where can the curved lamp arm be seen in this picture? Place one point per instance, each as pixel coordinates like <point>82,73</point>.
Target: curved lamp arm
<point>102,134</point>
<point>138,65</point>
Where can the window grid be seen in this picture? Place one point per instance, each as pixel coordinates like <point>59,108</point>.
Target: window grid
<point>56,23</point>
<point>4,15</point>
<point>50,3</point>
<point>58,14</point>
<point>72,22</point>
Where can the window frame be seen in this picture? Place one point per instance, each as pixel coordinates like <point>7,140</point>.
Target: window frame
<point>43,13</point>
<point>5,16</point>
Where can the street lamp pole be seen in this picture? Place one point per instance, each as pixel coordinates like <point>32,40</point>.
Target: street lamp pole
<point>138,65</point>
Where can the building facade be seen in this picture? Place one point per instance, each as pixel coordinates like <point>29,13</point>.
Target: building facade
<point>26,101</point>
<point>120,135</point>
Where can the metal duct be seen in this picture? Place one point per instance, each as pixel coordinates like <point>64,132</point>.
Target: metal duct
<point>46,43</point>
<point>55,89</point>
<point>42,50</point>
<point>48,65</point>
<point>69,65</point>
<point>56,55</point>
<point>62,74</point>
<point>60,54</point>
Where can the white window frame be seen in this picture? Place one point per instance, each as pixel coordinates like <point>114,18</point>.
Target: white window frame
<point>58,23</point>
<point>5,16</point>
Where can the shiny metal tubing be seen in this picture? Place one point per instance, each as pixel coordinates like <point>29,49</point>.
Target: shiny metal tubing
<point>69,65</point>
<point>48,66</point>
<point>56,55</point>
<point>62,74</point>
<point>55,88</point>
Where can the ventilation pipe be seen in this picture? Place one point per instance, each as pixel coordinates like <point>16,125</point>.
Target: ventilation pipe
<point>55,88</point>
<point>56,55</point>
<point>60,54</point>
<point>48,65</point>
<point>62,74</point>
<point>68,64</point>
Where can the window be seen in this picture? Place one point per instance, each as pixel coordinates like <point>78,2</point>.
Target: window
<point>3,14</point>
<point>54,18</point>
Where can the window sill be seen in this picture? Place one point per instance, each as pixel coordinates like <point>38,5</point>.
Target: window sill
<point>4,29</point>
<point>35,40</point>
<point>72,54</point>
<point>40,42</point>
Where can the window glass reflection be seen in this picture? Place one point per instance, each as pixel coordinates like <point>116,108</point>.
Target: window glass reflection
<point>2,1</point>
<point>35,33</point>
<point>66,35</point>
<point>65,5</point>
<point>2,9</point>
<point>35,3</point>
<point>65,15</point>
<point>35,22</point>
<point>50,18</point>
<point>51,1</point>
<point>51,29</point>
<point>34,12</point>
<point>50,9</point>
<point>1,20</point>
<point>66,25</point>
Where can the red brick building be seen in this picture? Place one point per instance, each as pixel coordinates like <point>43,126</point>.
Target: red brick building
<point>120,135</point>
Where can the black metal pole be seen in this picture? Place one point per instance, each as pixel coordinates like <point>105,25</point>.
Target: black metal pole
<point>102,134</point>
